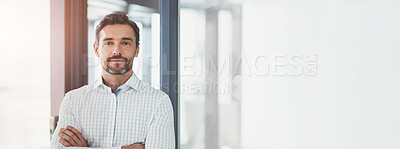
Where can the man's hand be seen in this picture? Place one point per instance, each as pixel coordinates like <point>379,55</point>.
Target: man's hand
<point>71,137</point>
<point>134,146</point>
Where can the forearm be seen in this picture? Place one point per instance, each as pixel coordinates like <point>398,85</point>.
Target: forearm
<point>92,148</point>
<point>55,144</point>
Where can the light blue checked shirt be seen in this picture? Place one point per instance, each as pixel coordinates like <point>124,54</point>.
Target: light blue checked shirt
<point>136,112</point>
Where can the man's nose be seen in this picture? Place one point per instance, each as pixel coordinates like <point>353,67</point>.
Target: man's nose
<point>117,49</point>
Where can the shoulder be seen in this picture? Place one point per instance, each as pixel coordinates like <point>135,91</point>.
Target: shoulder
<point>78,92</point>
<point>146,88</point>
<point>162,99</point>
<point>75,95</point>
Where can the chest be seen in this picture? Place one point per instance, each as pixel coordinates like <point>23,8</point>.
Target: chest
<point>110,120</point>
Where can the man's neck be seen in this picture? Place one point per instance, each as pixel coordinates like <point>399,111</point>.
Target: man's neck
<point>114,81</point>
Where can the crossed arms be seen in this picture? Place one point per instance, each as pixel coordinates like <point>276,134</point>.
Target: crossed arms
<point>71,137</point>
<point>68,134</point>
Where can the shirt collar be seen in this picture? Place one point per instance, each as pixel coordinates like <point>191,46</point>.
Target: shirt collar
<point>133,82</point>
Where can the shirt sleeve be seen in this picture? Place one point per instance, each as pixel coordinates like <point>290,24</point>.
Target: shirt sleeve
<point>161,132</point>
<point>66,117</point>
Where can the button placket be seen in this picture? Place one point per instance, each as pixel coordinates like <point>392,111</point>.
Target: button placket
<point>113,104</point>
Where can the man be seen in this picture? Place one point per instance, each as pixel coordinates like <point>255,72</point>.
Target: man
<point>117,111</point>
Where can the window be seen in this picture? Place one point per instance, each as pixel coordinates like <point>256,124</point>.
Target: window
<point>210,49</point>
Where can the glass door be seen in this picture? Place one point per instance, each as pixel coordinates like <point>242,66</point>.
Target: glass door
<point>210,74</point>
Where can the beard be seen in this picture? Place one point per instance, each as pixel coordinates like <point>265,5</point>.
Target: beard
<point>117,68</point>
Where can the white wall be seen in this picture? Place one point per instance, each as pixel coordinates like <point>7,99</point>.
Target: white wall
<point>352,102</point>
<point>25,74</point>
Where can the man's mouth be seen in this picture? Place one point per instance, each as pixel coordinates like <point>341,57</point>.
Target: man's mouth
<point>117,60</point>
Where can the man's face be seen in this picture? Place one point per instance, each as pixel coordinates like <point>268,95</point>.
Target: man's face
<point>116,48</point>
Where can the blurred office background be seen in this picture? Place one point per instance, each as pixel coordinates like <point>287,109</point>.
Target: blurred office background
<point>254,74</point>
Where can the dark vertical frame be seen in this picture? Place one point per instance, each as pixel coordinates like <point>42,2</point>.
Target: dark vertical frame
<point>169,59</point>
<point>68,25</point>
<point>76,30</point>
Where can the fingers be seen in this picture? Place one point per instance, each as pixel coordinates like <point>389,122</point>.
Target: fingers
<point>66,138</point>
<point>64,142</point>
<point>69,136</point>
<point>78,135</point>
<point>137,146</point>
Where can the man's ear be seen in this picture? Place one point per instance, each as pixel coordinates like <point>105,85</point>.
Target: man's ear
<point>137,51</point>
<point>96,49</point>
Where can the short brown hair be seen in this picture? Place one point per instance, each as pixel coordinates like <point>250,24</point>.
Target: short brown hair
<point>117,18</point>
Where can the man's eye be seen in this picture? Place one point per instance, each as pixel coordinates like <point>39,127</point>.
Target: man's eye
<point>108,43</point>
<point>125,43</point>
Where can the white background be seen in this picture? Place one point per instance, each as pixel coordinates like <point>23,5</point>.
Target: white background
<point>352,102</point>
<point>24,74</point>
